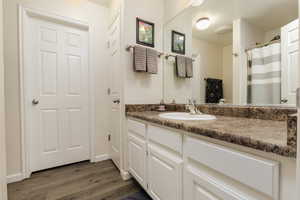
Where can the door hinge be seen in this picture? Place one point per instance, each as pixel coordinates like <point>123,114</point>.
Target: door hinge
<point>298,98</point>
<point>147,153</point>
<point>147,186</point>
<point>109,137</point>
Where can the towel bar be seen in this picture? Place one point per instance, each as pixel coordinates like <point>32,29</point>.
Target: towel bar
<point>129,47</point>
<point>170,55</point>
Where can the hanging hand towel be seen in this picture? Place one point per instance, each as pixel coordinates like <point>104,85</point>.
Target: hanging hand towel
<point>181,66</point>
<point>214,90</point>
<point>189,67</point>
<point>152,61</point>
<point>139,59</point>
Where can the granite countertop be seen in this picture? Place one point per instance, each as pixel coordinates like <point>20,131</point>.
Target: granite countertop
<point>266,135</point>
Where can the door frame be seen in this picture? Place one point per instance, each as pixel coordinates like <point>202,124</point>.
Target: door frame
<point>25,13</point>
<point>3,181</point>
<point>298,127</point>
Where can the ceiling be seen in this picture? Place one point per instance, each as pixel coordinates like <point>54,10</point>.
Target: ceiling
<point>265,14</point>
<point>101,2</point>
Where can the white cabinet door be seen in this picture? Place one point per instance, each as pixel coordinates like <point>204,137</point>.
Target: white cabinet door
<point>164,174</point>
<point>199,186</point>
<point>137,159</point>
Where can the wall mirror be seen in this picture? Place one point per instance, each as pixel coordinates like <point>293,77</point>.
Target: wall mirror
<point>244,52</point>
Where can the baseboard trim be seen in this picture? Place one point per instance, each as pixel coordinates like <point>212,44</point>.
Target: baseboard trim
<point>19,177</point>
<point>101,158</point>
<point>125,175</point>
<point>14,178</point>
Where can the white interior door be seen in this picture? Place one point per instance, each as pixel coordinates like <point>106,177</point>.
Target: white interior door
<point>199,82</point>
<point>290,62</point>
<point>57,93</point>
<point>115,88</point>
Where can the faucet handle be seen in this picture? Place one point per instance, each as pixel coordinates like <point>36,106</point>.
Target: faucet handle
<point>194,101</point>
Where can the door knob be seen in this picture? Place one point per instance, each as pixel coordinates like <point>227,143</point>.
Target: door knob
<point>284,100</point>
<point>117,101</point>
<point>35,102</point>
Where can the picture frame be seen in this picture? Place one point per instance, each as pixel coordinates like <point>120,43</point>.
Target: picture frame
<point>145,33</point>
<point>178,42</point>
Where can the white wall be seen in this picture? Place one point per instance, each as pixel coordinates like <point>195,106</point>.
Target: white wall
<point>3,190</point>
<point>142,87</point>
<point>269,35</point>
<point>174,7</point>
<point>97,17</point>
<point>211,58</point>
<point>227,73</point>
<point>114,9</point>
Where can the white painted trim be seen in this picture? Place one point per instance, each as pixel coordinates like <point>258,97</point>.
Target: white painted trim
<point>125,175</point>
<point>101,158</point>
<point>3,185</point>
<point>298,157</point>
<point>57,18</point>
<point>26,11</point>
<point>15,178</point>
<point>124,141</point>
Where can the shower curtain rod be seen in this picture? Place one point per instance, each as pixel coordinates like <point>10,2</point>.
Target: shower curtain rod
<point>263,45</point>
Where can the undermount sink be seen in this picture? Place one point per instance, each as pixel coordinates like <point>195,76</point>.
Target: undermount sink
<point>187,116</point>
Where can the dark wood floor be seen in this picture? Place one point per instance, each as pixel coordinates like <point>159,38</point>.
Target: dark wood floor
<point>81,181</point>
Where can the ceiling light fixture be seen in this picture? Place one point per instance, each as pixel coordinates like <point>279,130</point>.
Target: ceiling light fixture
<point>203,23</point>
<point>196,3</point>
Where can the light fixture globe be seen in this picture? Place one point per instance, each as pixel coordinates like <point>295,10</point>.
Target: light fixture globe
<point>203,23</point>
<point>196,3</point>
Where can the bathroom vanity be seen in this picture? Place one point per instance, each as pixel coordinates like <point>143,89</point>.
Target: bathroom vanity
<point>224,159</point>
<point>233,152</point>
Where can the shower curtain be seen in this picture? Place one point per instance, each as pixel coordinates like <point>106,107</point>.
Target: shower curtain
<point>264,75</point>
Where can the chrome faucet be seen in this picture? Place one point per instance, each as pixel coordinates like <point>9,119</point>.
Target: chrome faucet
<point>192,108</point>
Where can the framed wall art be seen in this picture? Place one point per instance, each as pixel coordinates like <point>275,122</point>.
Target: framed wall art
<point>178,42</point>
<point>145,32</point>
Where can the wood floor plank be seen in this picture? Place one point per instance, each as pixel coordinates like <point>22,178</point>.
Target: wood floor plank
<point>81,181</point>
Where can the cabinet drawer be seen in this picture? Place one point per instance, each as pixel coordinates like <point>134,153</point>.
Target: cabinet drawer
<point>165,137</point>
<point>257,173</point>
<point>137,128</point>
